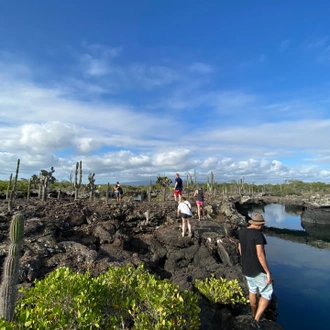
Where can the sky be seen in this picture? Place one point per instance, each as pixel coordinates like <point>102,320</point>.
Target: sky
<point>134,89</point>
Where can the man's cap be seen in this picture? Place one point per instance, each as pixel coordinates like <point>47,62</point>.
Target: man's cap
<point>257,219</point>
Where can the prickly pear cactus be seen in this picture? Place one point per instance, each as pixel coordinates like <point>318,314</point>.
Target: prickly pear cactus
<point>163,181</point>
<point>8,289</point>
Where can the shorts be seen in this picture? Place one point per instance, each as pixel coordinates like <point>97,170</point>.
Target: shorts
<point>184,215</point>
<point>177,192</point>
<point>258,283</point>
<point>117,193</point>
<point>200,203</point>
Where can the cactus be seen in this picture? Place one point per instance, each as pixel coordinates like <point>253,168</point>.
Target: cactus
<point>189,177</point>
<point>35,180</point>
<point>29,189</point>
<point>107,192</point>
<point>46,178</point>
<point>9,185</point>
<point>13,190</point>
<point>91,186</point>
<point>8,289</point>
<point>77,184</point>
<point>149,191</point>
<point>164,181</point>
<point>211,185</point>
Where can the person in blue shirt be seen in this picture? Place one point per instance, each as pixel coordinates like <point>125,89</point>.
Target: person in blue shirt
<point>177,187</point>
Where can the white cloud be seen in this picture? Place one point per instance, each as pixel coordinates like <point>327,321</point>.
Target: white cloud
<point>152,76</point>
<point>324,55</point>
<point>314,43</point>
<point>95,67</point>
<point>228,132</point>
<point>284,45</point>
<point>201,68</point>
<point>102,50</point>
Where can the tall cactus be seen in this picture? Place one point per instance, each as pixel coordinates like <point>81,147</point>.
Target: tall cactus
<point>13,190</point>
<point>8,289</point>
<point>107,192</point>
<point>91,186</point>
<point>149,191</point>
<point>29,189</point>
<point>77,184</point>
<point>9,185</point>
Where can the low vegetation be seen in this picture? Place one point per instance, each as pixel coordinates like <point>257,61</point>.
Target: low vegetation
<point>222,291</point>
<point>122,298</point>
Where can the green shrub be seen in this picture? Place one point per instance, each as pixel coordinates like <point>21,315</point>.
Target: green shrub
<point>223,291</point>
<point>122,298</point>
<point>4,325</point>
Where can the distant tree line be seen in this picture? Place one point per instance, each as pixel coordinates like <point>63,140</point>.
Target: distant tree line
<point>45,181</point>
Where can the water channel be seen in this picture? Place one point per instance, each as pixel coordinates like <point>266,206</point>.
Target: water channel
<point>301,272</point>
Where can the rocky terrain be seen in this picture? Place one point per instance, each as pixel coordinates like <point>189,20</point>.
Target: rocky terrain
<point>95,235</point>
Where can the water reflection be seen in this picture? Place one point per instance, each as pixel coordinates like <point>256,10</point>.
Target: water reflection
<point>280,216</point>
<point>302,279</point>
<point>285,221</point>
<point>318,231</point>
<point>301,272</point>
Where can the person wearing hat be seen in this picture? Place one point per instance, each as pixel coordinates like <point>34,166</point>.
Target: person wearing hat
<point>254,266</point>
<point>199,194</point>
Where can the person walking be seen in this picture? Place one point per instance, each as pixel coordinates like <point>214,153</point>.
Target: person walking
<point>118,191</point>
<point>255,268</point>
<point>199,194</point>
<point>184,211</point>
<point>177,187</point>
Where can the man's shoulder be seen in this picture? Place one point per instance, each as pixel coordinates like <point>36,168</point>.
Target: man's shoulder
<point>250,232</point>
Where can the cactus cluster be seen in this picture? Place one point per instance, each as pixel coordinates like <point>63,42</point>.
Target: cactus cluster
<point>46,177</point>
<point>211,185</point>
<point>8,289</point>
<point>164,181</point>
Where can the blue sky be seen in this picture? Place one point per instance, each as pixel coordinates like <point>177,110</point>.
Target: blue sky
<point>140,88</point>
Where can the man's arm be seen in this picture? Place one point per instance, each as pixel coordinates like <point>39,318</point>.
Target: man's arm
<point>262,259</point>
<point>239,248</point>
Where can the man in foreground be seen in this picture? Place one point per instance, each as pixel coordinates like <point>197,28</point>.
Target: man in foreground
<point>255,267</point>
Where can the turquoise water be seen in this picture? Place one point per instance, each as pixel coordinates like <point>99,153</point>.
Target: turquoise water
<point>301,274</point>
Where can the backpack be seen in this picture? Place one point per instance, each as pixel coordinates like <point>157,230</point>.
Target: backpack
<point>120,189</point>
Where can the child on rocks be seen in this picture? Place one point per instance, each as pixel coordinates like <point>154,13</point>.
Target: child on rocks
<point>184,211</point>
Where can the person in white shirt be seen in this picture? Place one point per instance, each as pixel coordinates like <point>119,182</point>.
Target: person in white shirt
<point>184,211</point>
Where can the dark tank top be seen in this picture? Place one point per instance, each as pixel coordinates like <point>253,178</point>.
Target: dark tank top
<point>200,195</point>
